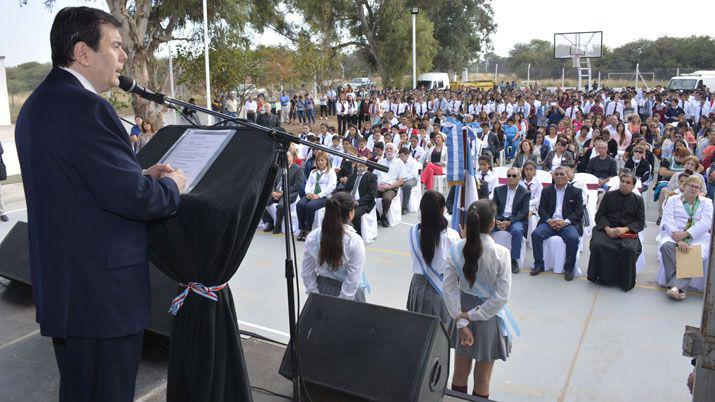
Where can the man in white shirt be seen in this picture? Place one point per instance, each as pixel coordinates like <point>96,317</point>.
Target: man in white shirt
<point>232,104</point>
<point>390,182</point>
<point>512,202</point>
<point>412,168</point>
<point>560,214</point>
<point>251,109</point>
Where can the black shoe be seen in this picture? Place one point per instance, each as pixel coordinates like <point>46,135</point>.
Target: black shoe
<point>301,235</point>
<point>514,266</point>
<point>536,271</point>
<point>658,221</point>
<point>568,275</point>
<point>269,228</point>
<point>4,218</point>
<point>384,222</point>
<point>405,212</point>
<point>276,229</point>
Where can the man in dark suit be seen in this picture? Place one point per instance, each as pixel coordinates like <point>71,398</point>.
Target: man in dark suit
<point>268,119</point>
<point>88,204</point>
<point>362,185</point>
<point>560,214</point>
<point>512,202</point>
<point>295,182</point>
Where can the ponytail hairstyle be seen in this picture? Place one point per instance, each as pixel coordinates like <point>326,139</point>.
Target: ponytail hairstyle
<point>480,218</point>
<point>432,223</point>
<point>337,213</point>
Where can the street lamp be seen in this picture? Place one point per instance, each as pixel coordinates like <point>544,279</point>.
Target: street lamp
<point>414,11</point>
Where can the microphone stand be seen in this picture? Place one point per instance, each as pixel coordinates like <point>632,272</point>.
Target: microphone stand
<point>281,139</point>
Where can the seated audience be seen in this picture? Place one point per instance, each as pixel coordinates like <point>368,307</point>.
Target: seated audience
<point>390,182</point>
<point>512,201</point>
<point>362,187</point>
<point>318,188</point>
<point>687,220</point>
<point>603,166</point>
<point>412,178</point>
<point>434,162</point>
<point>560,214</point>
<point>558,156</point>
<point>295,182</point>
<point>615,245</point>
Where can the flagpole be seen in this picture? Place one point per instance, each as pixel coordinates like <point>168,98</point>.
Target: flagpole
<point>463,208</point>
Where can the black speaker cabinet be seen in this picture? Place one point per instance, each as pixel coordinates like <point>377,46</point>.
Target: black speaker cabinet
<point>15,254</point>
<point>358,351</point>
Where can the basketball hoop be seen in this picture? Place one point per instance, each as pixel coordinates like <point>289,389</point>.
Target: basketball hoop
<point>576,60</point>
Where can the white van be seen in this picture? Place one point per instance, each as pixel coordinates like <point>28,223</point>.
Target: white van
<point>693,81</point>
<point>433,81</point>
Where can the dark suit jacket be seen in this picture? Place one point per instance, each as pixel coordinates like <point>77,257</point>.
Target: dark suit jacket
<point>367,188</point>
<point>270,121</point>
<point>572,207</point>
<point>88,206</point>
<point>295,182</point>
<point>520,207</point>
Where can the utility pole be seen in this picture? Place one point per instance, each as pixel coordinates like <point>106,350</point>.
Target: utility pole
<point>414,11</point>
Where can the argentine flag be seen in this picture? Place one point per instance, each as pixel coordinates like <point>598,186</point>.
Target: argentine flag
<point>468,173</point>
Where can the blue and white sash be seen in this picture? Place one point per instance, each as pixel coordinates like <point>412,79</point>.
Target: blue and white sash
<point>507,323</point>
<point>433,277</point>
<point>342,273</point>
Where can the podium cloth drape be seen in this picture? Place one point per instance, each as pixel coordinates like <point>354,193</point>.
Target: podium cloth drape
<point>205,242</point>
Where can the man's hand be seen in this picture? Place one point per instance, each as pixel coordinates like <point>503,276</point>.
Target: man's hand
<point>466,337</point>
<point>383,186</point>
<point>601,182</point>
<point>158,171</point>
<point>276,195</point>
<point>178,177</point>
<point>343,180</point>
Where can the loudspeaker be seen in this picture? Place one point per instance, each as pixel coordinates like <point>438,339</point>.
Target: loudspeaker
<point>15,265</point>
<point>15,254</point>
<point>358,351</point>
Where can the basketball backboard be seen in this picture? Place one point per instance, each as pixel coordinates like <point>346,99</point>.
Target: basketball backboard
<point>582,44</point>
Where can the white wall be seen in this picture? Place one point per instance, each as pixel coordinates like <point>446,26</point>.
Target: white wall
<point>4,102</point>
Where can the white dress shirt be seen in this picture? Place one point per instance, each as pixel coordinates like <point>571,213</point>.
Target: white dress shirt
<point>494,271</point>
<point>251,106</point>
<point>397,170</point>
<point>353,263</point>
<point>412,167</point>
<point>439,261</point>
<point>509,204</point>
<point>82,79</point>
<point>328,181</point>
<point>558,211</point>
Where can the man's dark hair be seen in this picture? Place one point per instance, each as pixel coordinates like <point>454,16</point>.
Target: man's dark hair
<point>77,24</point>
<point>404,151</point>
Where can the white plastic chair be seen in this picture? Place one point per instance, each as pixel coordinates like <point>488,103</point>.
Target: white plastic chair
<point>439,183</point>
<point>589,183</point>
<point>415,197</point>
<point>368,224</point>
<point>533,221</point>
<point>555,255</point>
<point>272,209</point>
<point>504,238</point>
<point>544,177</point>
<point>394,214</point>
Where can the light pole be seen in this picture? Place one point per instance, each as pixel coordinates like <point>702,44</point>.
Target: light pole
<point>414,11</point>
<point>206,62</point>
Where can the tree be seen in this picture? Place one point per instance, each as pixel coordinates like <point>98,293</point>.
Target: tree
<point>382,29</point>
<point>462,28</point>
<point>147,24</point>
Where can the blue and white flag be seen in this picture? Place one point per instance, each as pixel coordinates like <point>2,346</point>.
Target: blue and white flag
<point>470,183</point>
<point>455,146</point>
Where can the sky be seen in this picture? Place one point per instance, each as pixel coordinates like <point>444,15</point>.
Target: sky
<point>25,30</point>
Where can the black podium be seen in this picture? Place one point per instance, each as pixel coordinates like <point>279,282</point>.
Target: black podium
<point>205,242</point>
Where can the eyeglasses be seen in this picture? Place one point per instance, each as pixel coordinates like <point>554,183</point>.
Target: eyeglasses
<point>637,151</point>
<point>512,176</point>
<point>694,186</point>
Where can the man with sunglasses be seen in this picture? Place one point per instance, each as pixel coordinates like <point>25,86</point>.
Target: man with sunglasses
<point>615,245</point>
<point>512,202</point>
<point>560,214</point>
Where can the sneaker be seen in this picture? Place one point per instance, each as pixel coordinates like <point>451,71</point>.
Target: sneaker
<point>4,218</point>
<point>675,293</point>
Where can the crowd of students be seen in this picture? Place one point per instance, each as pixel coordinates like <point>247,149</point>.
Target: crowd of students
<point>632,141</point>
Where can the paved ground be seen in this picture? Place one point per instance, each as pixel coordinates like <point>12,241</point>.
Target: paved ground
<point>580,342</point>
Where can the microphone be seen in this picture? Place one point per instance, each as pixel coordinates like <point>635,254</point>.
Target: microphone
<point>129,85</point>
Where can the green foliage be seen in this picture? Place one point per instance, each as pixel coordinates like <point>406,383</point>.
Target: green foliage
<point>26,77</point>
<point>462,29</point>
